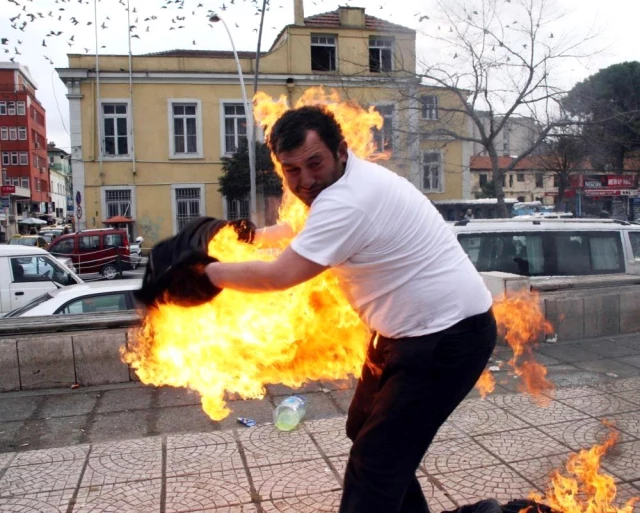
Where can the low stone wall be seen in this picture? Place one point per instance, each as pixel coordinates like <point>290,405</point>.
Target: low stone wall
<point>580,307</point>
<point>83,349</point>
<point>48,361</point>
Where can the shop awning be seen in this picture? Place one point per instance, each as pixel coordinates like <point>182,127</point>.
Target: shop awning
<point>118,220</point>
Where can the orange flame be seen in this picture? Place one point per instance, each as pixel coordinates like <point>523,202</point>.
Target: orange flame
<point>585,489</point>
<point>238,343</point>
<point>522,323</point>
<point>486,383</point>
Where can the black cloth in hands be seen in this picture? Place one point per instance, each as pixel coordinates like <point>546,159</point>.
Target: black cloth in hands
<point>175,271</point>
<point>493,506</point>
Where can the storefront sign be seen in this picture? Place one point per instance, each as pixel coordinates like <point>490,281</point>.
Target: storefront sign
<point>602,181</point>
<point>609,192</point>
<point>5,202</point>
<point>7,189</point>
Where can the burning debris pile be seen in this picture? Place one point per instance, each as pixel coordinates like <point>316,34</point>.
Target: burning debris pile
<point>238,342</point>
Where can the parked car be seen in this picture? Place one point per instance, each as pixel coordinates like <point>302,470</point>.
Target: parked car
<point>36,241</point>
<point>551,247</point>
<point>29,272</point>
<point>105,251</point>
<point>136,252</point>
<point>96,297</point>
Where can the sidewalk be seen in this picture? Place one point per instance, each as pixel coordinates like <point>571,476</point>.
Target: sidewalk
<point>502,447</point>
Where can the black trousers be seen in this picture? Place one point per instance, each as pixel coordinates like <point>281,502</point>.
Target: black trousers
<point>408,388</point>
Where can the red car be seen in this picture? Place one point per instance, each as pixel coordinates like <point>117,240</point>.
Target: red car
<point>104,251</point>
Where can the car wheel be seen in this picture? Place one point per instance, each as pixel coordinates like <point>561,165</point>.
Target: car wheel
<point>109,271</point>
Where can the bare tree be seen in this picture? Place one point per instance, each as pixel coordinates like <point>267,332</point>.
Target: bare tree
<point>498,59</point>
<point>566,153</point>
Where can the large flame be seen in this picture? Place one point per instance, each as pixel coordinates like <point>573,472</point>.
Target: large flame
<point>585,489</point>
<point>522,323</point>
<point>240,342</point>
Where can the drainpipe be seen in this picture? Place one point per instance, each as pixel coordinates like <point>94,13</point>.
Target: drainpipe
<point>99,130</point>
<point>133,140</point>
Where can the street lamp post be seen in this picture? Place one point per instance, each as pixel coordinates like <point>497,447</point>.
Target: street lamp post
<point>249,116</point>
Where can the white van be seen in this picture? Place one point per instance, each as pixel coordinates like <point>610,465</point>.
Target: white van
<point>28,272</point>
<point>551,247</point>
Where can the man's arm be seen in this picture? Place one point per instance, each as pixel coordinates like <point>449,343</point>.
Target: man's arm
<point>287,270</point>
<point>271,235</point>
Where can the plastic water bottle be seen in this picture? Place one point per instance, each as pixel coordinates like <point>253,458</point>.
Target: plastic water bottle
<point>289,412</point>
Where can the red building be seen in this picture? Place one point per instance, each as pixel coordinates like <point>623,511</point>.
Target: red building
<point>23,137</point>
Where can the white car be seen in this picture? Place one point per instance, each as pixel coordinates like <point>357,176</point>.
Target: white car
<point>96,297</point>
<point>28,272</point>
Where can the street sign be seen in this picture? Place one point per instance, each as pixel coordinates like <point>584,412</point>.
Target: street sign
<point>7,189</point>
<point>79,212</point>
<point>5,202</point>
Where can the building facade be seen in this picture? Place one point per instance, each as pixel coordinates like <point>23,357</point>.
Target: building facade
<point>518,135</point>
<point>23,136</point>
<point>60,162</point>
<point>152,152</point>
<point>528,181</point>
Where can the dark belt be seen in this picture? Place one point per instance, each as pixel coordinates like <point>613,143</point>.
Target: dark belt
<point>475,322</point>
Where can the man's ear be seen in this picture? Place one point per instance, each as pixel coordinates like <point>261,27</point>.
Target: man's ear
<point>343,153</point>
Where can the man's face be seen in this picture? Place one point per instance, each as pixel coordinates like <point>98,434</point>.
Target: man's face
<point>311,168</point>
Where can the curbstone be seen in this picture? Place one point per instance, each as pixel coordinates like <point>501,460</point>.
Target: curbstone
<point>10,375</point>
<point>46,362</point>
<point>97,358</point>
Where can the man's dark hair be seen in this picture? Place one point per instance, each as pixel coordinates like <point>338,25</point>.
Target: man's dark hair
<point>290,131</point>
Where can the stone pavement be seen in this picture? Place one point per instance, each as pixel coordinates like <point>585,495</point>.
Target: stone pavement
<point>501,447</point>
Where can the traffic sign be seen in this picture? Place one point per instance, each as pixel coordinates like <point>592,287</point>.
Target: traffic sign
<point>79,212</point>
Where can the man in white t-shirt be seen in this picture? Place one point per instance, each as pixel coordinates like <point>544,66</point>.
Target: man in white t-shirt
<point>403,271</point>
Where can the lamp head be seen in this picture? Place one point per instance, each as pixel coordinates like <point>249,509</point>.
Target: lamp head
<point>214,18</point>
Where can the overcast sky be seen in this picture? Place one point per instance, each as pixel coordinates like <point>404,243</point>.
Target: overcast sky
<point>615,21</point>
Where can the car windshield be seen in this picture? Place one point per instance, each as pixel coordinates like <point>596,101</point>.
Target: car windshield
<point>41,268</point>
<point>29,306</point>
<point>24,241</point>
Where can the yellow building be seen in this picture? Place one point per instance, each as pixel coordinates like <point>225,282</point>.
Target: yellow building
<point>147,141</point>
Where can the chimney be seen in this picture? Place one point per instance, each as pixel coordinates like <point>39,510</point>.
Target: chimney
<point>298,12</point>
<point>351,16</point>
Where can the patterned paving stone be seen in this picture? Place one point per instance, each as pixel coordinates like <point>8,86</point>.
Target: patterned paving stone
<point>149,444</point>
<point>524,408</point>
<point>138,497</point>
<point>453,455</point>
<point>74,453</point>
<point>633,396</point>
<point>520,445</point>
<point>40,478</point>
<point>571,392</point>
<point>620,385</point>
<point>207,491</point>
<point>200,439</point>
<point>240,508</point>
<point>109,468</point>
<point>339,463</point>
<point>204,459</point>
<point>5,459</point>
<point>578,434</point>
<point>294,479</point>
<point>328,502</point>
<point>326,425</point>
<point>265,445</point>
<point>475,417</point>
<point>539,470</point>
<point>624,461</point>
<point>43,502</point>
<point>499,482</point>
<point>436,498</point>
<point>448,431</point>
<point>333,443</point>
<point>628,423</point>
<point>626,491</point>
<point>601,404</point>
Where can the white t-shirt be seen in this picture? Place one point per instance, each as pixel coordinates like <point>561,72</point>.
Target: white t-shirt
<point>398,263</point>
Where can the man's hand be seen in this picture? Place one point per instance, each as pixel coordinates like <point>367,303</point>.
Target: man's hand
<point>288,270</point>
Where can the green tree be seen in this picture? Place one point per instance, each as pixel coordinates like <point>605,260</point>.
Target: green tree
<point>235,183</point>
<point>609,103</point>
<point>488,190</point>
